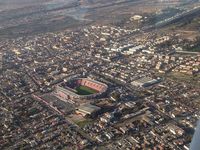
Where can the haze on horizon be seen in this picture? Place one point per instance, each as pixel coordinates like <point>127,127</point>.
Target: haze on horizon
<point>16,4</point>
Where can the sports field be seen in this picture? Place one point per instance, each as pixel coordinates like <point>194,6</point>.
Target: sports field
<point>83,90</point>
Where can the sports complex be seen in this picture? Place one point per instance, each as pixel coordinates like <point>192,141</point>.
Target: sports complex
<point>80,88</point>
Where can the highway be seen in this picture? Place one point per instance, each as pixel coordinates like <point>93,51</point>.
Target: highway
<point>162,23</point>
<point>173,19</point>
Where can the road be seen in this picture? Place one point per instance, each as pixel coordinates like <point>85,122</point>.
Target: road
<point>173,19</point>
<point>68,120</point>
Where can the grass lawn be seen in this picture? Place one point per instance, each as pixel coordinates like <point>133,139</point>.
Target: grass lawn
<point>84,122</point>
<point>83,90</point>
<point>189,79</point>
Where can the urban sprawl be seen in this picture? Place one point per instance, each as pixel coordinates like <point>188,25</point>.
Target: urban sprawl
<point>147,90</point>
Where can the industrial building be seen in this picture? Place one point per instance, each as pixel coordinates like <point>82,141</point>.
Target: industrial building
<point>87,109</point>
<point>145,81</point>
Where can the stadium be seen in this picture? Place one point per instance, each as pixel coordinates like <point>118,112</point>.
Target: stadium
<point>80,88</point>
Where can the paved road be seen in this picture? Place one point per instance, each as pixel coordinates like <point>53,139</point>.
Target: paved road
<point>68,120</point>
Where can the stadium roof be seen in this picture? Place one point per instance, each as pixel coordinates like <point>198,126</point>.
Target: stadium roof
<point>88,108</point>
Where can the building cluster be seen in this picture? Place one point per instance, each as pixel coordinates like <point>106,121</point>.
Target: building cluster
<point>155,120</point>
<point>27,123</point>
<point>143,107</point>
<point>191,66</point>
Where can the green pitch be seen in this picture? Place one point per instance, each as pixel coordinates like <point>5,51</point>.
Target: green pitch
<point>83,90</point>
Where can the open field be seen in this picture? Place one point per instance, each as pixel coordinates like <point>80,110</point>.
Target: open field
<point>84,122</point>
<point>83,90</point>
<point>187,28</point>
<point>189,79</point>
<point>26,17</point>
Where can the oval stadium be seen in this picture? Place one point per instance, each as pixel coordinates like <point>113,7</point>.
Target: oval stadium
<point>80,88</point>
